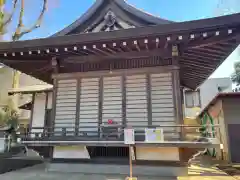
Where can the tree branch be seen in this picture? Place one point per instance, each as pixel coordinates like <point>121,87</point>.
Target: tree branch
<point>20,23</point>
<point>11,14</point>
<point>18,34</point>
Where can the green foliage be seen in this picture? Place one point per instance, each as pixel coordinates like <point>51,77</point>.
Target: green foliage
<point>9,116</point>
<point>236,75</point>
<point>9,120</point>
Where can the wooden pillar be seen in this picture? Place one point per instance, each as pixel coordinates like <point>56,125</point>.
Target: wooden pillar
<point>31,116</point>
<point>124,114</point>
<point>100,104</point>
<point>55,66</point>
<point>77,115</point>
<point>46,107</point>
<point>177,96</point>
<point>177,88</point>
<point>149,99</point>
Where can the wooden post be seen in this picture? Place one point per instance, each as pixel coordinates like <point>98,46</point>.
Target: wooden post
<point>129,139</point>
<point>130,162</point>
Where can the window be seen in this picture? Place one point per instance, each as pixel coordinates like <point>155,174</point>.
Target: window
<point>222,88</point>
<point>192,99</point>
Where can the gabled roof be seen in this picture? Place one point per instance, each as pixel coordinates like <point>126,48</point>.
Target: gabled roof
<point>204,45</point>
<point>121,8</point>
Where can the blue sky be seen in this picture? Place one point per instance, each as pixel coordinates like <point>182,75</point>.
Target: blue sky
<point>62,13</point>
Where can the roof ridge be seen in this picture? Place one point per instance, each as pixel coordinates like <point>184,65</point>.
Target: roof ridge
<point>147,17</point>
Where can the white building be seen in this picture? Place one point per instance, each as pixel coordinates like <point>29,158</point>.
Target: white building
<point>195,101</point>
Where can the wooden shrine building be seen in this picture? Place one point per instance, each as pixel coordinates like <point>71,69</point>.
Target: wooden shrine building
<point>119,65</point>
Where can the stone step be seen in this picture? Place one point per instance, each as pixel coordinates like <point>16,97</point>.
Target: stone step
<point>111,169</point>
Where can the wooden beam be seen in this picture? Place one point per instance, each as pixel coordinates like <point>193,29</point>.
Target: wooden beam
<point>194,65</point>
<point>157,43</point>
<point>123,55</point>
<point>89,51</point>
<point>108,48</point>
<point>187,68</point>
<point>200,60</point>
<point>212,41</point>
<point>146,44</point>
<point>136,45</point>
<point>191,78</point>
<point>201,57</point>
<point>116,72</point>
<point>203,76</point>
<point>192,81</point>
<point>124,45</point>
<point>212,50</point>
<point>100,50</point>
<point>222,47</point>
<point>205,54</point>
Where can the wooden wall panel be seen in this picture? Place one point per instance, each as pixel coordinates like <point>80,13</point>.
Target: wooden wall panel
<point>89,97</point>
<point>65,105</point>
<point>136,94</point>
<point>159,111</point>
<point>162,101</point>
<point>112,99</point>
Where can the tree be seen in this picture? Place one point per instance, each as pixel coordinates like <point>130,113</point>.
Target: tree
<point>236,75</point>
<point>9,115</point>
<point>6,18</point>
<point>9,123</point>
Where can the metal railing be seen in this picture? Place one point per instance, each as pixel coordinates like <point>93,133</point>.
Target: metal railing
<point>115,133</point>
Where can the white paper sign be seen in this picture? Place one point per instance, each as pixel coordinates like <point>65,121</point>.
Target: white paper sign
<point>214,140</point>
<point>154,135</point>
<point>129,137</point>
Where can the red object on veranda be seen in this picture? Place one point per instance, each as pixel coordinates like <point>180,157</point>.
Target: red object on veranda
<point>110,121</point>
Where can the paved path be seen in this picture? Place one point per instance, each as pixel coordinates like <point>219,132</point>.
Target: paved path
<point>205,173</point>
<point>38,173</point>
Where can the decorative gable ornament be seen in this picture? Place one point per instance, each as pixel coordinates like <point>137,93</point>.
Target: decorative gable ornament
<point>110,19</point>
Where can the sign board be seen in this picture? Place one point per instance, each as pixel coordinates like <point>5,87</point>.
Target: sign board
<point>154,135</point>
<point>129,137</point>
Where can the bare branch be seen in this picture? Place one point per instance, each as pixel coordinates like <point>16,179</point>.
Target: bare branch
<point>18,34</point>
<point>11,14</point>
<point>20,23</point>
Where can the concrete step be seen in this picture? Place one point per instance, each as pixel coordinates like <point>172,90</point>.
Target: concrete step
<point>111,169</point>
